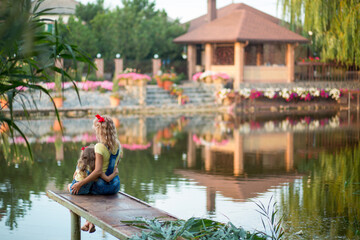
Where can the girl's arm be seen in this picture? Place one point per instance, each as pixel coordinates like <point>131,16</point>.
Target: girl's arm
<point>93,176</point>
<point>111,176</point>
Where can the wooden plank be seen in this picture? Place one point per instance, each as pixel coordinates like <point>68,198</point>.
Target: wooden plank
<point>107,211</point>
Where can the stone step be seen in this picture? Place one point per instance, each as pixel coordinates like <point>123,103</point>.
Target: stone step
<point>197,95</point>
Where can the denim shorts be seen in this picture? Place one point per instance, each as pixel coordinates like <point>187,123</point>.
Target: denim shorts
<point>85,189</point>
<point>101,187</point>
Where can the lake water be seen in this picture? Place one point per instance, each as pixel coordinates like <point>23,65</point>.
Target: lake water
<point>213,166</point>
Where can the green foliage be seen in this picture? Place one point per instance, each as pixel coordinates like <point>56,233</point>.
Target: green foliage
<point>325,203</point>
<point>136,31</point>
<point>269,213</point>
<point>28,55</point>
<point>88,12</point>
<point>335,26</point>
<point>193,228</point>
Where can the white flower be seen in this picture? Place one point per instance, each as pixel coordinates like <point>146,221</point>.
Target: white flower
<point>334,93</point>
<point>206,74</point>
<point>314,125</point>
<point>269,126</point>
<point>334,122</point>
<point>223,93</point>
<point>245,128</point>
<point>245,92</point>
<point>314,92</point>
<point>284,125</point>
<point>299,91</point>
<point>270,93</point>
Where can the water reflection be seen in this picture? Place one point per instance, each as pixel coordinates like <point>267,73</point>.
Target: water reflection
<point>209,165</point>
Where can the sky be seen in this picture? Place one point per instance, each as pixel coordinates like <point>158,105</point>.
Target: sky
<point>186,10</point>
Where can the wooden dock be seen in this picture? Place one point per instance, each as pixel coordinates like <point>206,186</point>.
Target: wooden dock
<point>107,212</point>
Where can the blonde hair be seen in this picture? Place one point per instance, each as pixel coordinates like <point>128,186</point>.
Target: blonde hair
<point>87,159</point>
<point>106,132</point>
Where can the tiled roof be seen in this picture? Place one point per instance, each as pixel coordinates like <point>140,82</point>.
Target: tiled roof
<point>221,12</point>
<point>239,22</point>
<point>65,7</point>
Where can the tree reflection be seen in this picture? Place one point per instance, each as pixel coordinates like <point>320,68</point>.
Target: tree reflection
<point>325,203</point>
<point>21,179</point>
<point>142,175</point>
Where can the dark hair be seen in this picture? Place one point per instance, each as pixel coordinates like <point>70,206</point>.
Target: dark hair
<point>87,159</point>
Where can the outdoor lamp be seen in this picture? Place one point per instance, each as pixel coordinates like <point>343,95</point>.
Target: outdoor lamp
<point>310,33</point>
<point>98,55</point>
<point>156,56</point>
<point>118,55</point>
<point>184,56</point>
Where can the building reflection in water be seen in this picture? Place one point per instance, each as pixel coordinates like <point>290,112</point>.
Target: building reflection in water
<point>273,150</point>
<point>230,160</point>
<point>266,152</point>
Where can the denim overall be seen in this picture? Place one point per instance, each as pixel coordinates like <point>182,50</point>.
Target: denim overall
<point>100,186</point>
<point>85,189</point>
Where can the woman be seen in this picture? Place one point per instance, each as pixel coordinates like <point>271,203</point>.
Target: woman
<point>107,155</point>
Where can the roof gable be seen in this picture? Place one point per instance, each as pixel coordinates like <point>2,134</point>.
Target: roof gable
<point>222,12</point>
<point>241,25</point>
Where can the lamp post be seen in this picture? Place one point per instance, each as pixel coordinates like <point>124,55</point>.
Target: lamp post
<point>310,68</point>
<point>119,64</point>
<point>99,62</point>
<point>311,42</point>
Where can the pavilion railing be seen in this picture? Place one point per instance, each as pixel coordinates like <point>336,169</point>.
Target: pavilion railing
<point>318,71</point>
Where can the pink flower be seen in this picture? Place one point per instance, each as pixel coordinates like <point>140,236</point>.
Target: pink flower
<point>134,76</point>
<point>196,76</point>
<point>133,147</point>
<point>196,139</point>
<point>308,97</point>
<point>21,88</point>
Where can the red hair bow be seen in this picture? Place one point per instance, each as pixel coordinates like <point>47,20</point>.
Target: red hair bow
<point>83,148</point>
<point>100,118</point>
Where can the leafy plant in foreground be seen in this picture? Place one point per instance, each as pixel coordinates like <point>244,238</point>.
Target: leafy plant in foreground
<point>27,56</point>
<point>273,224</point>
<point>193,228</point>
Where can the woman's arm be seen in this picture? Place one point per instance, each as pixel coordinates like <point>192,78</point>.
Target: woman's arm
<point>93,176</point>
<point>111,176</point>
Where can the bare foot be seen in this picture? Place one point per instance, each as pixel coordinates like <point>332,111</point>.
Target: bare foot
<point>92,228</point>
<point>86,226</point>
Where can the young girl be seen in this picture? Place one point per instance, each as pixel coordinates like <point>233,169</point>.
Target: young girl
<point>85,165</point>
<point>107,155</point>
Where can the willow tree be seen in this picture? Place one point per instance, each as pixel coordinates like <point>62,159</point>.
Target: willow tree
<point>334,26</point>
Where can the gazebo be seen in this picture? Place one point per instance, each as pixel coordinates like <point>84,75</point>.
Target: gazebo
<point>249,45</point>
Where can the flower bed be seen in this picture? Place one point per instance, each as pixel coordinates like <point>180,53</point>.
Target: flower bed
<point>178,92</point>
<point>210,77</point>
<point>132,78</point>
<point>210,142</point>
<point>86,86</point>
<point>166,80</point>
<point>295,94</point>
